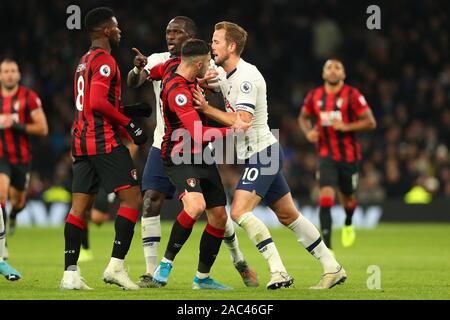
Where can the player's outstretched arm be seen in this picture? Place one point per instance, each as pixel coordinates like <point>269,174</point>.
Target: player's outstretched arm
<point>136,76</point>
<point>226,118</point>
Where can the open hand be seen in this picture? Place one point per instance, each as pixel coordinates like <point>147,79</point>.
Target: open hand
<point>6,121</point>
<point>209,75</point>
<point>200,101</point>
<point>313,135</point>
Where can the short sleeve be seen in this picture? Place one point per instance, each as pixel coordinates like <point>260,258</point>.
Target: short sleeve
<point>34,102</point>
<point>103,69</point>
<point>247,96</point>
<point>359,103</point>
<point>308,104</point>
<point>180,101</point>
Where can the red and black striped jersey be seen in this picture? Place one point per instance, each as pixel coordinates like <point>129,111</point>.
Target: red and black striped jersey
<point>180,116</point>
<point>97,91</point>
<point>15,145</point>
<point>346,106</point>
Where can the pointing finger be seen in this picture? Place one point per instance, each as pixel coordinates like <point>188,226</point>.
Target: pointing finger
<point>137,52</point>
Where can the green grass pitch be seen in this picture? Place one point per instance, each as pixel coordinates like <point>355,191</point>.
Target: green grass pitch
<point>414,260</point>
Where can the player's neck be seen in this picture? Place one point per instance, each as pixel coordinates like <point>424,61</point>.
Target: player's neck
<point>231,63</point>
<point>101,43</point>
<point>186,72</point>
<point>333,88</point>
<point>8,92</point>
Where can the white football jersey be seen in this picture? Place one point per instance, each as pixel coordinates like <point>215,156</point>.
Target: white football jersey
<point>152,61</point>
<point>245,89</point>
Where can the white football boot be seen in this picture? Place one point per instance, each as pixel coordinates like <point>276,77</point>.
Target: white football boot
<point>329,280</point>
<point>118,276</point>
<point>72,280</point>
<point>279,279</point>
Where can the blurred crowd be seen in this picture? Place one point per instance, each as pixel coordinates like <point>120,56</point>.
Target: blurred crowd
<point>403,70</point>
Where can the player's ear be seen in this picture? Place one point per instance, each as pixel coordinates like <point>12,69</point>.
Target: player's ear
<point>232,46</point>
<point>107,31</point>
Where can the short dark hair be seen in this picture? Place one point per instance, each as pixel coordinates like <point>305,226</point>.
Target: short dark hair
<point>97,17</point>
<point>8,60</point>
<point>194,48</point>
<point>189,25</point>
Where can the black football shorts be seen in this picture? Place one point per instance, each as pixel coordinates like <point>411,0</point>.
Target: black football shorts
<point>343,175</point>
<point>113,171</point>
<point>19,174</point>
<point>203,178</point>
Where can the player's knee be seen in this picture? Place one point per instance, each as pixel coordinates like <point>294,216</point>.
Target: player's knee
<point>195,208</point>
<point>236,214</point>
<point>349,203</point>
<point>97,221</point>
<point>77,212</point>
<point>287,219</point>
<point>327,192</point>
<point>98,217</point>
<point>19,207</point>
<point>138,203</point>
<point>220,221</point>
<point>152,203</point>
<point>217,217</point>
<point>133,200</point>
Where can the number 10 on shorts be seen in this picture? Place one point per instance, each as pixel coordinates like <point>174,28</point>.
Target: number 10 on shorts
<point>250,174</point>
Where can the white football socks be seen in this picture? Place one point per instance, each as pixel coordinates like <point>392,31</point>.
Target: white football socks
<point>151,238</point>
<point>309,237</point>
<point>231,242</point>
<point>260,236</point>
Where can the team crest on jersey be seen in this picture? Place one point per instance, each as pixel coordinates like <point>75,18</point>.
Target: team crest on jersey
<point>81,67</point>
<point>181,99</point>
<point>191,182</point>
<point>246,87</point>
<point>340,102</point>
<point>105,70</point>
<point>134,174</point>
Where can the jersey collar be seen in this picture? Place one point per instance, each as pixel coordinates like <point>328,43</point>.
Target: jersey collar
<point>229,74</point>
